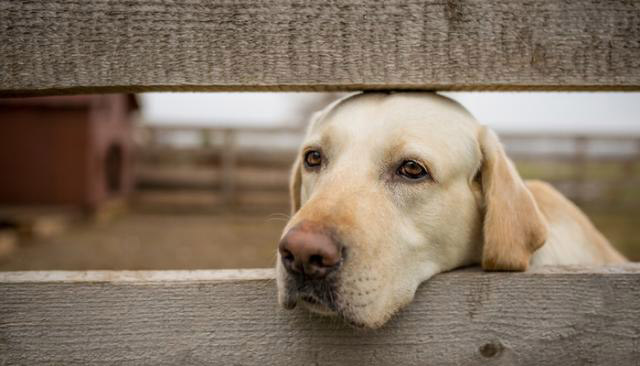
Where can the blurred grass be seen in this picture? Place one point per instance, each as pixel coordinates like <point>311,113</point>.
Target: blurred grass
<point>621,228</point>
<point>545,169</point>
<point>614,208</point>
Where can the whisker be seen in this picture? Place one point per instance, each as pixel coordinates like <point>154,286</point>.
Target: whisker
<point>280,214</point>
<point>274,219</point>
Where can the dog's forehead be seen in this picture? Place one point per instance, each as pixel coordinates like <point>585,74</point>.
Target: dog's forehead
<point>384,113</point>
<point>372,123</point>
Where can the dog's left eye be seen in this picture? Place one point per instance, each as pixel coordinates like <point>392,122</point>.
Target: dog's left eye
<point>312,159</point>
<point>411,169</point>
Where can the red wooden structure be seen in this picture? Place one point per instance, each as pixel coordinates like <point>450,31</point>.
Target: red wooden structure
<point>68,150</point>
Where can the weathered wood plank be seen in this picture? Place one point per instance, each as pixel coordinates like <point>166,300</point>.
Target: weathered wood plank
<point>556,315</point>
<point>66,46</point>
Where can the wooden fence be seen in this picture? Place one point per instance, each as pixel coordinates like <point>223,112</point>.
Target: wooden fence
<point>67,46</point>
<point>214,164</point>
<point>563,316</point>
<point>556,316</point>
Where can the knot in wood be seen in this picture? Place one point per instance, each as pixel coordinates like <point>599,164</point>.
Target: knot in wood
<point>491,349</point>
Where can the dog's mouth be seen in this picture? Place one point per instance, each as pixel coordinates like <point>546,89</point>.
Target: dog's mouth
<point>320,298</point>
<point>317,306</point>
<point>311,300</point>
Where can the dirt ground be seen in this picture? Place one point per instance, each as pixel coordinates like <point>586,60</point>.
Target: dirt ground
<point>145,238</point>
<point>138,241</point>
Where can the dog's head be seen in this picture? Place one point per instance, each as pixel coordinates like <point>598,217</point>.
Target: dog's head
<point>390,189</point>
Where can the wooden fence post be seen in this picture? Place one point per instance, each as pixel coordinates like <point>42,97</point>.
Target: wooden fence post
<point>581,146</point>
<point>228,165</point>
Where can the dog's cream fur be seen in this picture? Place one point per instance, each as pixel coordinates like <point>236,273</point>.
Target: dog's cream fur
<point>476,209</point>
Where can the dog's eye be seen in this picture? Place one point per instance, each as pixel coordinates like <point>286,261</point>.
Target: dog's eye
<point>412,170</point>
<point>312,159</point>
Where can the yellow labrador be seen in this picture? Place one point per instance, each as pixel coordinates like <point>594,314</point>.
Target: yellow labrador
<point>391,188</point>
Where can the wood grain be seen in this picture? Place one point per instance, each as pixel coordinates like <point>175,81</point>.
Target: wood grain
<point>75,46</point>
<point>555,315</point>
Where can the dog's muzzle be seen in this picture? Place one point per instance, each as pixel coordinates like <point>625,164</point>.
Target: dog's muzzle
<point>311,256</point>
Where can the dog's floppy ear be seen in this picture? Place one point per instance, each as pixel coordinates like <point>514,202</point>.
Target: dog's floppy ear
<point>295,181</point>
<point>514,227</point>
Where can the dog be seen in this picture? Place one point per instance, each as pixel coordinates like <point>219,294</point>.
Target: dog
<point>389,189</point>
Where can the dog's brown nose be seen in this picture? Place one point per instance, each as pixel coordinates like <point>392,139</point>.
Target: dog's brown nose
<point>307,250</point>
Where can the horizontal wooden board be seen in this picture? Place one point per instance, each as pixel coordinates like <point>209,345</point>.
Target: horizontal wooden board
<point>74,46</point>
<point>554,315</point>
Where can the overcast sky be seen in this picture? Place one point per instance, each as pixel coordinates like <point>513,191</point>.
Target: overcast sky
<point>541,111</point>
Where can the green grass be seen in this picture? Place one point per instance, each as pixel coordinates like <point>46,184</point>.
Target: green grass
<point>621,227</point>
<point>565,170</point>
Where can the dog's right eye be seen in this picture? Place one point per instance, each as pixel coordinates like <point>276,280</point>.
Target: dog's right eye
<point>312,159</point>
<point>412,170</point>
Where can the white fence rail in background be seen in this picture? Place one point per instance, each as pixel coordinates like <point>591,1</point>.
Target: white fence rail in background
<point>220,148</point>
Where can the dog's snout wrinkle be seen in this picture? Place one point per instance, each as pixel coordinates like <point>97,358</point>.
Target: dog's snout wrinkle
<point>310,251</point>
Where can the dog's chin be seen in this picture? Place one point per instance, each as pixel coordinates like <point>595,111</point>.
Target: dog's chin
<point>321,298</point>
<point>313,305</point>
<point>334,312</point>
